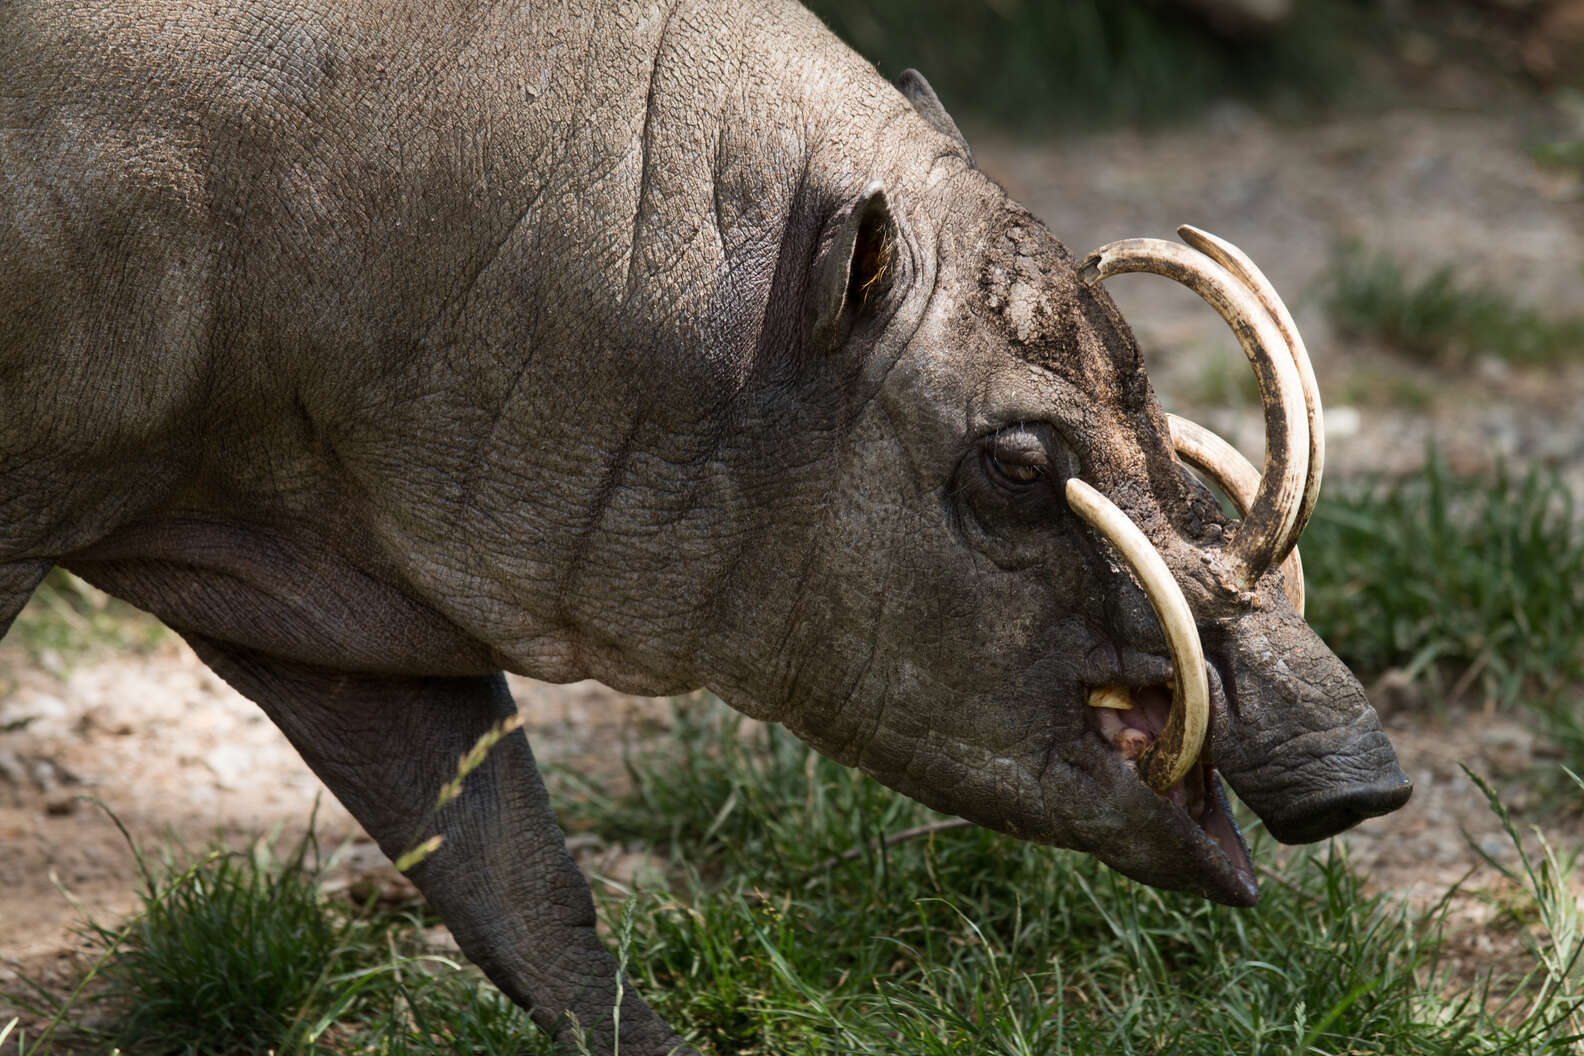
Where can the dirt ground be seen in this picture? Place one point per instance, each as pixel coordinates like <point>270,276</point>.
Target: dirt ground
<point>173,751</point>
<point>170,749</point>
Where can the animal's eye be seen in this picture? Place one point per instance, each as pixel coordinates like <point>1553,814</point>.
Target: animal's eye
<point>1016,458</point>
<point>1016,472</point>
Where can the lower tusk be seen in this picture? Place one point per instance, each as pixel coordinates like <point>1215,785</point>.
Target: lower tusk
<point>1177,748</point>
<point>1236,476</point>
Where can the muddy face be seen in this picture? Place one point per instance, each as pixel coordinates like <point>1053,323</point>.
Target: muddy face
<point>1024,610</point>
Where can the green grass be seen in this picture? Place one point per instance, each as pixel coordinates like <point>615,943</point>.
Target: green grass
<point>1028,64</point>
<point>240,953</point>
<point>1560,154</point>
<point>1440,319</point>
<point>818,937</point>
<point>1223,383</point>
<point>792,925</point>
<point>1380,386</point>
<point>1471,583</point>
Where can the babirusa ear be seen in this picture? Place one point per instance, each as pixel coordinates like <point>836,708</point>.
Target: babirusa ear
<point>858,268</point>
<point>918,91</point>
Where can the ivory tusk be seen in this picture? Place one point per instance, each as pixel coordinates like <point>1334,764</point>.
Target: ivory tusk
<point>1238,263</point>
<point>1267,531</point>
<point>1236,476</point>
<point>1177,748</point>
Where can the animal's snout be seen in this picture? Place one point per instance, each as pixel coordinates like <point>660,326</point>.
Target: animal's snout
<point>1334,810</point>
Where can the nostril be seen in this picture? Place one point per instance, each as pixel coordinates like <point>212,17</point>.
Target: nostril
<point>1326,814</point>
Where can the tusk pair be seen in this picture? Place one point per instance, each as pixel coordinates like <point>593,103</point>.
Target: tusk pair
<point>1229,282</point>
<point>1275,504</point>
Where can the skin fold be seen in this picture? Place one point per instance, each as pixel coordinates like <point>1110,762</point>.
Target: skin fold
<point>379,348</point>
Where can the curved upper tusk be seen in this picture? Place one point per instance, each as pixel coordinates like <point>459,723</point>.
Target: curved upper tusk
<point>1236,476</point>
<point>1177,748</point>
<point>1267,530</point>
<point>1238,263</point>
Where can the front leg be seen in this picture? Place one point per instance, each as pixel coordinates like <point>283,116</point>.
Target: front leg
<point>502,879</point>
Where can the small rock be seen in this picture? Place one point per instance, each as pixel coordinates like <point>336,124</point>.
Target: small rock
<point>1496,847</point>
<point>60,806</point>
<point>29,708</point>
<point>93,722</point>
<point>1548,751</point>
<point>385,887</point>
<point>439,939</point>
<point>1493,368</point>
<point>633,868</point>
<point>229,763</point>
<point>1242,18</point>
<point>1507,746</point>
<point>1516,796</point>
<point>1342,421</point>
<point>581,844</point>
<point>1554,50</point>
<point>43,773</point>
<point>12,772</point>
<point>1229,116</point>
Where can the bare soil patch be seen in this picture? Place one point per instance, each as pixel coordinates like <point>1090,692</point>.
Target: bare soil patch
<point>178,756</point>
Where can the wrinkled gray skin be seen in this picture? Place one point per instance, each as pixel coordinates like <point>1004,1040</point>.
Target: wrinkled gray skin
<point>378,348</point>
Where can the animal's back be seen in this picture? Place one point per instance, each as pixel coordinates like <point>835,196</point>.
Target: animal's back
<point>267,260</point>
<point>219,218</point>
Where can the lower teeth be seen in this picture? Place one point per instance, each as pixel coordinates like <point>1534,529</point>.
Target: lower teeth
<point>1131,743</point>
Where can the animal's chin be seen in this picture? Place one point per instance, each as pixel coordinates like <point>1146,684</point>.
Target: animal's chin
<point>1195,810</point>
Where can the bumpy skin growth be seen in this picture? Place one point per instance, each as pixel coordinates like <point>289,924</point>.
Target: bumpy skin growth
<point>379,347</point>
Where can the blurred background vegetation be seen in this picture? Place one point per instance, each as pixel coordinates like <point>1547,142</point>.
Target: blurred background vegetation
<point>1031,64</point>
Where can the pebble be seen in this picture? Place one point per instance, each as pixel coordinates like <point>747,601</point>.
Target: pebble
<point>1342,422</point>
<point>26,709</point>
<point>1396,691</point>
<point>12,772</point>
<point>1496,846</point>
<point>44,775</point>
<point>229,763</point>
<point>1507,746</point>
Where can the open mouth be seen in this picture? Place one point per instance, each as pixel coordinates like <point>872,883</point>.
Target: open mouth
<point>1131,719</point>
